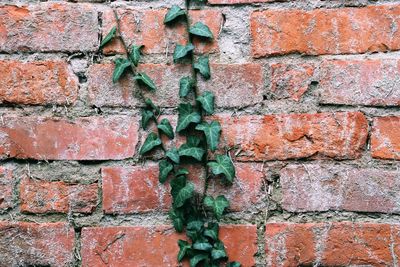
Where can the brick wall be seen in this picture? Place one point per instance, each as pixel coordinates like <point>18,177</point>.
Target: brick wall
<point>307,93</point>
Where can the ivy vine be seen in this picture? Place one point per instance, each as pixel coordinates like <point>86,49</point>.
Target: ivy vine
<point>198,214</point>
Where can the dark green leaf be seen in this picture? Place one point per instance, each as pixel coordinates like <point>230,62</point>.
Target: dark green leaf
<point>182,51</point>
<point>134,55</point>
<point>109,36</point>
<point>174,13</point>
<point>121,64</point>
<point>212,231</point>
<point>177,184</point>
<point>146,80</point>
<point>177,219</point>
<point>164,169</point>
<point>197,259</point>
<point>212,131</point>
<point>146,117</point>
<point>203,66</point>
<point>183,195</point>
<point>207,102</point>
<point>151,142</point>
<point>218,252</point>
<point>201,30</point>
<point>184,247</point>
<point>173,155</point>
<point>233,264</point>
<point>217,205</point>
<point>193,141</point>
<point>223,165</point>
<point>194,230</point>
<point>185,86</point>
<point>166,128</point>
<point>182,171</point>
<point>194,152</point>
<point>202,246</point>
<point>186,116</point>
<point>151,105</point>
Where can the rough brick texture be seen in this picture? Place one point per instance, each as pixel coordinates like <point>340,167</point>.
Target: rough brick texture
<point>6,188</point>
<point>385,139</point>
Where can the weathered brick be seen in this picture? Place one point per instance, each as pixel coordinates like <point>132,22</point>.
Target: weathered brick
<point>315,187</point>
<point>360,82</point>
<point>146,27</point>
<point>31,244</point>
<point>385,138</point>
<point>332,244</point>
<point>57,197</point>
<point>90,138</point>
<point>339,135</point>
<point>157,246</point>
<point>48,27</point>
<point>233,2</point>
<point>6,188</point>
<point>291,80</point>
<point>325,31</point>
<point>37,83</point>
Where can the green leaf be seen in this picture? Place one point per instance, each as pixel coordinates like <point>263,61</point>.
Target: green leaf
<point>177,219</point>
<point>185,85</point>
<point>146,117</point>
<point>164,169</point>
<point>134,55</point>
<point>109,36</point>
<point>182,51</point>
<point>184,194</point>
<point>197,259</point>
<point>194,230</point>
<point>218,252</point>
<point>173,14</point>
<point>218,205</point>
<point>194,152</point>
<point>173,155</point>
<point>186,116</point>
<point>177,184</point>
<point>166,128</point>
<point>182,171</point>
<point>202,246</point>
<point>203,66</point>
<point>212,131</point>
<point>233,264</point>
<point>184,247</point>
<point>212,231</point>
<point>207,102</point>
<point>121,64</point>
<point>151,142</point>
<point>193,141</point>
<point>146,80</point>
<point>223,165</point>
<point>199,29</point>
<point>151,105</point>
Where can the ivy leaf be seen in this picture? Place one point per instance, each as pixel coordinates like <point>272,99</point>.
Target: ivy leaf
<point>194,229</point>
<point>202,246</point>
<point>146,117</point>
<point>194,152</point>
<point>151,105</point>
<point>173,155</point>
<point>166,128</point>
<point>121,64</point>
<point>207,102</point>
<point>184,247</point>
<point>177,219</point>
<point>184,194</point>
<point>218,252</point>
<point>151,142</point>
<point>177,184</point>
<point>164,169</point>
<point>203,66</point>
<point>134,55</point>
<point>182,171</point>
<point>202,30</point>
<point>218,205</point>
<point>193,141</point>
<point>185,85</point>
<point>223,165</point>
<point>233,264</point>
<point>109,36</point>
<point>212,231</point>
<point>197,259</point>
<point>140,76</point>
<point>212,132</point>
<point>186,116</point>
<point>173,14</point>
<point>182,51</point>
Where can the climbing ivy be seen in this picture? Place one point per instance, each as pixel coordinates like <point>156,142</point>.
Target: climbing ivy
<point>198,214</point>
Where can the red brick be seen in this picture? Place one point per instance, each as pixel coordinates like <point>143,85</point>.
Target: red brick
<point>235,85</point>
<point>360,82</point>
<point>234,2</point>
<point>90,138</point>
<point>6,188</point>
<point>291,80</point>
<point>146,27</point>
<point>57,197</point>
<point>339,135</point>
<point>316,187</point>
<point>37,83</point>
<point>48,27</point>
<point>325,31</point>
<point>385,138</point>
<point>331,244</point>
<point>157,246</point>
<point>31,244</point>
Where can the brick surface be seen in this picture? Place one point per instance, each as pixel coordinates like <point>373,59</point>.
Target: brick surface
<point>57,197</point>
<point>332,244</point>
<point>290,136</point>
<point>31,244</point>
<point>316,187</point>
<point>38,83</point>
<point>48,27</point>
<point>385,138</point>
<point>325,31</point>
<point>6,188</point>
<point>233,2</point>
<point>146,27</point>
<point>157,246</point>
<point>91,138</point>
